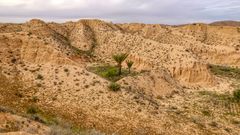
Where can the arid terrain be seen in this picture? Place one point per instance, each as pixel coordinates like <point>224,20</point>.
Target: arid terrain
<point>54,78</point>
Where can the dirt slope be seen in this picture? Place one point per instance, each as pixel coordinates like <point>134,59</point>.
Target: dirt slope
<point>49,61</point>
<point>16,125</point>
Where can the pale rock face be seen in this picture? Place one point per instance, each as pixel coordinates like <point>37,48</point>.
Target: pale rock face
<point>35,52</point>
<point>195,73</point>
<point>156,83</point>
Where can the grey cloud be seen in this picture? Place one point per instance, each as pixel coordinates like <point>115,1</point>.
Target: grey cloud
<point>146,11</point>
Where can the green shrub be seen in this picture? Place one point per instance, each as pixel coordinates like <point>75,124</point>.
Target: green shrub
<point>29,33</point>
<point>32,110</point>
<point>19,94</point>
<point>66,70</point>
<point>225,71</point>
<point>39,85</point>
<point>34,99</point>
<point>114,87</point>
<point>236,94</point>
<point>206,112</point>
<point>13,60</point>
<point>111,72</point>
<point>40,77</point>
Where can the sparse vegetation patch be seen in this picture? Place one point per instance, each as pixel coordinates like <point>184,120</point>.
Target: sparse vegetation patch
<point>225,71</point>
<point>111,72</point>
<point>114,73</point>
<point>39,77</point>
<point>114,87</point>
<point>32,110</point>
<point>236,95</point>
<point>228,102</point>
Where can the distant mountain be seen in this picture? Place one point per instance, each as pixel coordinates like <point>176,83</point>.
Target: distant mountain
<point>226,23</point>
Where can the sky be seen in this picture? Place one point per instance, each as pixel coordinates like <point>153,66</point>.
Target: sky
<point>121,11</point>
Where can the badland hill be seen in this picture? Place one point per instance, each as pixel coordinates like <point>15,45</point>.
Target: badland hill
<point>182,80</point>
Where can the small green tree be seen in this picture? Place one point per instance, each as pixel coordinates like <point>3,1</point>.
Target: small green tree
<point>129,64</point>
<point>119,58</point>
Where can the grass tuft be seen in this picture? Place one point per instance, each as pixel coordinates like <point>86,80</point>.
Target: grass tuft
<point>236,95</point>
<point>114,87</point>
<point>110,72</point>
<point>39,77</point>
<point>225,71</point>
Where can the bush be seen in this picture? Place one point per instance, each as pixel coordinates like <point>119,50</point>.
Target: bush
<point>111,72</point>
<point>40,77</point>
<point>236,94</point>
<point>32,110</point>
<point>206,112</point>
<point>114,87</point>
<point>13,60</point>
<point>34,99</point>
<point>39,85</point>
<point>19,94</point>
<point>224,71</point>
<point>108,72</point>
<point>66,70</point>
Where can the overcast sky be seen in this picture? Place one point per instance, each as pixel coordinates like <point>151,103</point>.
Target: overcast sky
<point>144,11</point>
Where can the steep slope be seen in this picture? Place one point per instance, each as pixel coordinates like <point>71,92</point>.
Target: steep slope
<point>222,43</point>
<point>212,44</point>
<point>42,59</point>
<point>112,39</point>
<point>16,125</point>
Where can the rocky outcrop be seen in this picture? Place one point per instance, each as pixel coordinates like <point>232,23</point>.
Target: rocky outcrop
<point>157,83</point>
<point>31,50</point>
<point>140,64</point>
<point>38,53</point>
<point>193,74</point>
<point>82,36</point>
